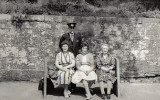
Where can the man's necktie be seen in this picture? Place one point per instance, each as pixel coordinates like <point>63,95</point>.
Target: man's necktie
<point>72,36</point>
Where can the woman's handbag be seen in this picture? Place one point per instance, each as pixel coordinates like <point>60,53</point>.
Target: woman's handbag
<point>50,86</point>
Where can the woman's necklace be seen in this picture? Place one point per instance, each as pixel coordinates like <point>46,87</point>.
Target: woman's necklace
<point>105,56</point>
<point>65,54</point>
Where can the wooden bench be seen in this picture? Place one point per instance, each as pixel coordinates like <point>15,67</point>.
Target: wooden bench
<point>116,86</point>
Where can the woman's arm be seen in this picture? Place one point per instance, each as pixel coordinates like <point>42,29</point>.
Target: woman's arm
<point>92,65</point>
<point>99,64</point>
<point>105,69</point>
<point>78,62</point>
<point>60,67</point>
<point>72,61</point>
<point>113,64</point>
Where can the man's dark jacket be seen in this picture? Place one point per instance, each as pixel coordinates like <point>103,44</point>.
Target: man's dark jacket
<point>75,45</point>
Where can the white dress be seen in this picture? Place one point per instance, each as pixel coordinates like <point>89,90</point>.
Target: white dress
<point>80,75</point>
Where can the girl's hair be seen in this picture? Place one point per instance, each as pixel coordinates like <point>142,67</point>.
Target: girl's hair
<point>63,43</point>
<point>84,44</point>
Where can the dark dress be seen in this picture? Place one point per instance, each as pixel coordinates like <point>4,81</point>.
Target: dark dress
<point>107,62</point>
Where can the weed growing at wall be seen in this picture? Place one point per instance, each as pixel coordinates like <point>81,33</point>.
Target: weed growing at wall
<point>18,19</point>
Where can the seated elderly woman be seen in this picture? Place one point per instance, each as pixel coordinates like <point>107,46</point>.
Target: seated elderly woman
<point>105,72</point>
<point>85,69</point>
<point>65,61</point>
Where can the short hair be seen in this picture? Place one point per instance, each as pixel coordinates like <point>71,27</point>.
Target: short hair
<point>84,44</point>
<point>104,45</point>
<point>63,43</point>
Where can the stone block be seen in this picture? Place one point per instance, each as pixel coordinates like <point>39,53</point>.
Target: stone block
<point>33,52</point>
<point>42,25</point>
<point>89,19</point>
<point>68,19</point>
<point>39,18</point>
<point>26,25</point>
<point>23,65</point>
<point>151,56</point>
<point>3,63</point>
<point>9,52</point>
<point>48,18</point>
<point>153,30</point>
<point>12,75</point>
<point>96,29</point>
<point>5,24</point>
<point>5,17</point>
<point>57,19</point>
<point>126,55</point>
<point>150,20</point>
<point>4,31</point>
<point>109,20</point>
<point>31,75</point>
<point>5,40</point>
<point>153,45</point>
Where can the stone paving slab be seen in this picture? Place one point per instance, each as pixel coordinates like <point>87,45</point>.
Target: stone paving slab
<point>29,91</point>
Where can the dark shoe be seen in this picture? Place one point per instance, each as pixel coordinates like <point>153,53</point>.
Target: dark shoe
<point>103,97</point>
<point>69,93</point>
<point>72,90</point>
<point>92,92</point>
<point>108,96</point>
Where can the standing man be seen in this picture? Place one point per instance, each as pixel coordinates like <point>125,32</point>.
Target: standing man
<point>74,40</point>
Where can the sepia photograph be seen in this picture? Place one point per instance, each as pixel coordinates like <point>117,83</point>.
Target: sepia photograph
<point>79,49</point>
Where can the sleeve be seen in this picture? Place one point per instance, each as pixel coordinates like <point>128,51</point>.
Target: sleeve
<point>72,56</point>
<point>78,60</point>
<point>113,62</point>
<point>98,62</point>
<point>57,61</point>
<point>91,59</point>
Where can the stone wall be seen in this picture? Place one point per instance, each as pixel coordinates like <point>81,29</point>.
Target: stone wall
<point>135,41</point>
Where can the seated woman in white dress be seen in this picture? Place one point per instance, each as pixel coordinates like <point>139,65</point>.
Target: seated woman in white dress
<point>65,61</point>
<point>85,69</point>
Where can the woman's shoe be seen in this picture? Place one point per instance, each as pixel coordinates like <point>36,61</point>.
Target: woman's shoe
<point>103,97</point>
<point>89,97</point>
<point>108,96</point>
<point>69,93</point>
<point>66,95</point>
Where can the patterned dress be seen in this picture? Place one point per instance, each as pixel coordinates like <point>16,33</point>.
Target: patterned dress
<point>107,62</point>
<point>84,62</point>
<point>64,60</point>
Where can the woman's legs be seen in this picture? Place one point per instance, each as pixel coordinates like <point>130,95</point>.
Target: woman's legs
<point>102,90</point>
<point>102,87</point>
<point>109,87</point>
<point>66,91</point>
<point>88,94</point>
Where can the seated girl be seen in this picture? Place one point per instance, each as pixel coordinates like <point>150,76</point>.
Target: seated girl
<point>105,72</point>
<point>85,69</point>
<point>65,61</point>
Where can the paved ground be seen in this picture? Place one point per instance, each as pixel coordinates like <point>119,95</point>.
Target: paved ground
<point>29,91</point>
